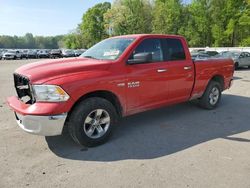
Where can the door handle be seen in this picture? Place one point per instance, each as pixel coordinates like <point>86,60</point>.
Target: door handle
<point>187,68</point>
<point>161,70</point>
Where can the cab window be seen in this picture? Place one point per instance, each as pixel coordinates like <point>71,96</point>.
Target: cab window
<point>152,46</point>
<point>173,49</point>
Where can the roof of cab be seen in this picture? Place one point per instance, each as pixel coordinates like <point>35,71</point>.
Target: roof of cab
<point>147,35</point>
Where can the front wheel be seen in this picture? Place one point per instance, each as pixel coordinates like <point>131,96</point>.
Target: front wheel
<point>212,96</point>
<point>92,121</point>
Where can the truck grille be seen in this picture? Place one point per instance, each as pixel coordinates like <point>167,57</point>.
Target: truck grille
<point>23,89</point>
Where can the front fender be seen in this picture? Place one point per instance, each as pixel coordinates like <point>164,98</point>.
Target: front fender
<point>78,85</point>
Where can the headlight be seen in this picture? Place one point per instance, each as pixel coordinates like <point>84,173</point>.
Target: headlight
<point>49,93</point>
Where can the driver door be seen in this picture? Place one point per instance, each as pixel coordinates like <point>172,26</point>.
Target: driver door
<point>147,81</point>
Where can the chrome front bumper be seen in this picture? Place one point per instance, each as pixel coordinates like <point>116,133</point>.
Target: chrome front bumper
<point>42,125</point>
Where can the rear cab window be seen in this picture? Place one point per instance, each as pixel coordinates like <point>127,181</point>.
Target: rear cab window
<point>173,49</point>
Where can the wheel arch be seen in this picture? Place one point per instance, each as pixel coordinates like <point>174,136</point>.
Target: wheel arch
<point>108,95</point>
<point>219,79</point>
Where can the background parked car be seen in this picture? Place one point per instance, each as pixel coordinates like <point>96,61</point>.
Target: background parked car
<point>68,53</point>
<point>56,53</point>
<point>79,52</point>
<point>25,54</point>
<point>241,59</point>
<point>12,54</point>
<point>32,54</point>
<point>43,54</point>
<point>203,54</point>
<point>199,55</point>
<point>197,50</point>
<point>212,53</point>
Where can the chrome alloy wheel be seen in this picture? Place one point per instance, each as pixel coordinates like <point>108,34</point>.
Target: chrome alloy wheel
<point>214,96</point>
<point>96,123</point>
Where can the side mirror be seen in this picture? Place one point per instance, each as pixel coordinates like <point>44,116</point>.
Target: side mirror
<point>141,58</point>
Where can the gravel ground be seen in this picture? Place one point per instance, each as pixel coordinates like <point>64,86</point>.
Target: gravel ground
<point>178,146</point>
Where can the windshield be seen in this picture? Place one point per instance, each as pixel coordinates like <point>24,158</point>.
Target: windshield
<point>231,54</point>
<point>109,49</point>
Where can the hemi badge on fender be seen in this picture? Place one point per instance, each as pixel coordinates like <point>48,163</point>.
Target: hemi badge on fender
<point>121,84</point>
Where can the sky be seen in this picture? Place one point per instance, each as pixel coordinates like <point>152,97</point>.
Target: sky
<point>44,17</point>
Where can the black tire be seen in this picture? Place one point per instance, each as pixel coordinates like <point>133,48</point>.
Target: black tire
<point>14,57</point>
<point>236,65</point>
<point>249,67</point>
<point>77,121</point>
<point>205,101</point>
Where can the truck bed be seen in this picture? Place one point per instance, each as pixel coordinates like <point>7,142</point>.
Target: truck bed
<point>205,70</point>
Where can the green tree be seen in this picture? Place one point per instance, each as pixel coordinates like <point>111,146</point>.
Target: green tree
<point>196,23</point>
<point>230,18</point>
<point>75,39</point>
<point>129,17</point>
<point>243,35</point>
<point>29,41</point>
<point>167,16</point>
<point>7,42</point>
<point>92,26</point>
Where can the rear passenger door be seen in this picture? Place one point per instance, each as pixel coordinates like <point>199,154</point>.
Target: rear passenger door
<point>180,70</point>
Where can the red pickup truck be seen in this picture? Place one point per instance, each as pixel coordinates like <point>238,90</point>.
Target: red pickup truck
<point>117,77</point>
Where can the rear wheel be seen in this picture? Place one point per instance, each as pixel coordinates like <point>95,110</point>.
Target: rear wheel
<point>212,96</point>
<point>92,121</point>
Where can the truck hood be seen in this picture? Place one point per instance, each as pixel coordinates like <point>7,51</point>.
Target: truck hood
<point>43,71</point>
